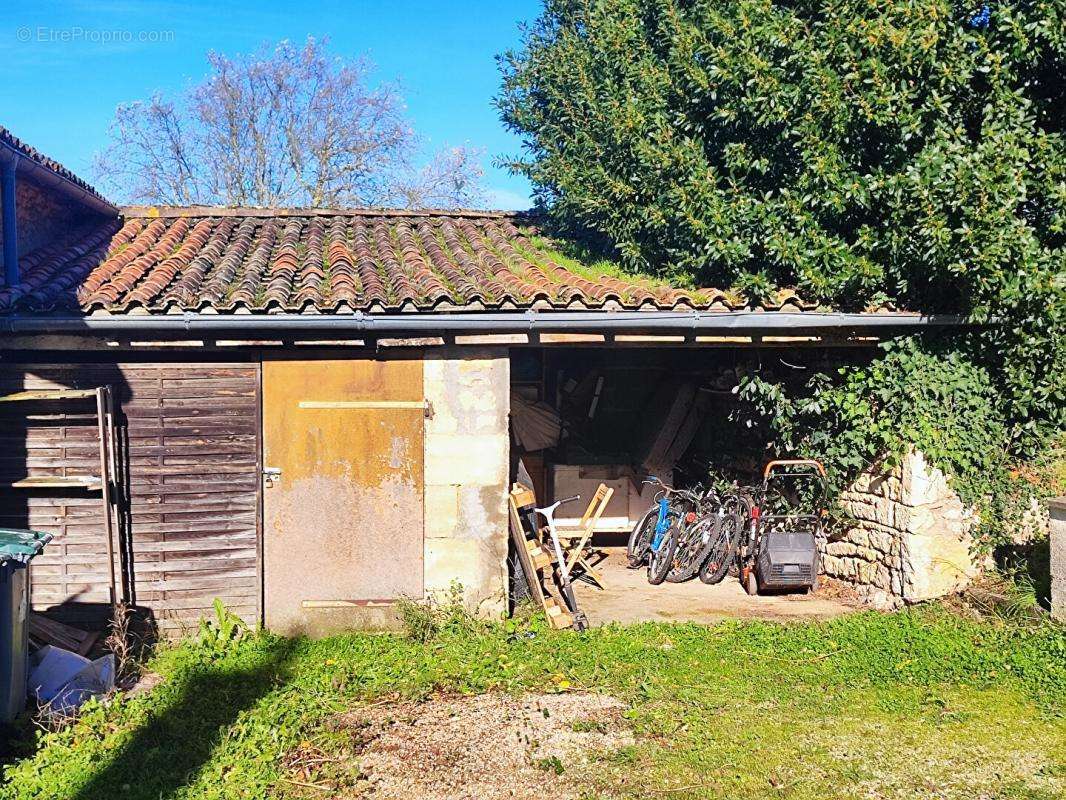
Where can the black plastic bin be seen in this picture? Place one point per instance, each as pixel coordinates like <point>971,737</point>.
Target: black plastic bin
<point>17,549</point>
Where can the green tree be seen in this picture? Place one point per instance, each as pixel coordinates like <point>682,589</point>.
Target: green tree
<point>902,152</point>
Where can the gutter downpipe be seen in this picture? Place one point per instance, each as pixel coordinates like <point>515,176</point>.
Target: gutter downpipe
<point>428,324</point>
<point>8,163</point>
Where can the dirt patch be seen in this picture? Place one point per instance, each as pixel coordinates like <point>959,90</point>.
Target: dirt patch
<point>489,746</point>
<point>833,589</point>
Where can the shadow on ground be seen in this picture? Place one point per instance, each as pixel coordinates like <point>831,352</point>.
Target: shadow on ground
<point>169,749</point>
<point>1031,563</point>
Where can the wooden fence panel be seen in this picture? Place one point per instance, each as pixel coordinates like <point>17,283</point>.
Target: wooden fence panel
<point>189,523</point>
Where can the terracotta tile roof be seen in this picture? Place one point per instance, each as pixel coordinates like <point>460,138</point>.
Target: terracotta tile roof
<point>329,261</point>
<point>35,155</point>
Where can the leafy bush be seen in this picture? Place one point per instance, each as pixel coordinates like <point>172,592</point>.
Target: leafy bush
<point>864,152</point>
<point>925,393</point>
<point>909,153</point>
<point>218,636</point>
<point>424,620</point>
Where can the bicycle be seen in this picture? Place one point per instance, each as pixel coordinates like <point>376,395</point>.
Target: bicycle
<point>655,537</point>
<point>697,533</point>
<point>723,553</point>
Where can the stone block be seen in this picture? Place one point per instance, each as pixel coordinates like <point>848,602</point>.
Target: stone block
<point>831,565</point>
<point>467,460</point>
<point>441,504</point>
<point>859,537</point>
<point>881,541</point>
<point>937,563</point>
<point>923,484</point>
<point>842,549</point>
<point>475,567</point>
<point>467,395</point>
<point>483,516</point>
<point>865,571</point>
<point>882,577</point>
<point>871,508</point>
<point>897,583</point>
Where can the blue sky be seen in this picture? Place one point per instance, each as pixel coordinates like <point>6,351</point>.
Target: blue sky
<point>63,79</point>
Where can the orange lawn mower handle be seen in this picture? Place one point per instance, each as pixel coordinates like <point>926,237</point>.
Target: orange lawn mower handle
<point>792,462</point>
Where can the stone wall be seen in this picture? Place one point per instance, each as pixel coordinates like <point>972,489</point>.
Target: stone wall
<point>908,539</point>
<point>467,449</point>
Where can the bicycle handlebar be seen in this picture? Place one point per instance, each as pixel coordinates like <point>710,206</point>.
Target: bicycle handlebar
<point>692,494</point>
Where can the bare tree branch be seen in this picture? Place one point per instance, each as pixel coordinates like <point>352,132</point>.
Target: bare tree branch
<point>285,126</point>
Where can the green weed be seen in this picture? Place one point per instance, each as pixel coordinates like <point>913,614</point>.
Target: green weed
<point>918,703</point>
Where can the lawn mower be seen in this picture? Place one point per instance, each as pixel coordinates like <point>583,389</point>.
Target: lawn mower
<point>787,523</point>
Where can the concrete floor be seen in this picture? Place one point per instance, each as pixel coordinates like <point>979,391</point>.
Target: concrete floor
<point>628,598</point>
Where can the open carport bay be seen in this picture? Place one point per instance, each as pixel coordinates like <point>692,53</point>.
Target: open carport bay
<point>586,417</point>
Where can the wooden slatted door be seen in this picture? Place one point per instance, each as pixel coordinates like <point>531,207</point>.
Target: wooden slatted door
<point>343,464</point>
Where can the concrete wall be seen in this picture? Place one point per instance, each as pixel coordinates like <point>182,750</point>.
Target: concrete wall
<point>466,465</point>
<point>909,538</point>
<point>1057,509</point>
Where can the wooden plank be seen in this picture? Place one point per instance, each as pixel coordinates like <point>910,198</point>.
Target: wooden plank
<point>519,539</point>
<point>48,394</point>
<point>419,405</point>
<point>50,631</point>
<point>86,482</point>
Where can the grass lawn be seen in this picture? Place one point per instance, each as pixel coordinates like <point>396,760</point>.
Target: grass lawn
<point>913,704</point>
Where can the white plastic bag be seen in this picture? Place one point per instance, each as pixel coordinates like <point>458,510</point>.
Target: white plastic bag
<point>64,680</point>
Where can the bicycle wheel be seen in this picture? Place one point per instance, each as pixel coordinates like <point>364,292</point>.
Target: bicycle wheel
<point>717,563</point>
<point>691,545</point>
<point>663,559</point>
<point>640,538</point>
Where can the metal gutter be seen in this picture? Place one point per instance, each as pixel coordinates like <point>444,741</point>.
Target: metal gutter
<point>425,324</point>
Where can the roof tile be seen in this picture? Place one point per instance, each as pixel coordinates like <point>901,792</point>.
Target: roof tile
<point>289,260</point>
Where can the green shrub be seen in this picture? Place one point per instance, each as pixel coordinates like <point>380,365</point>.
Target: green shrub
<point>908,153</point>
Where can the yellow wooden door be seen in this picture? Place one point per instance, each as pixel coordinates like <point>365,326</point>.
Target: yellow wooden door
<point>343,486</point>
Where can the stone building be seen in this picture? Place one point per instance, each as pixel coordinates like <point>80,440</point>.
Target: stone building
<point>311,406</point>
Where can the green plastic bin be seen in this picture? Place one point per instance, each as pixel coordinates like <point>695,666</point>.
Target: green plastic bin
<point>17,549</point>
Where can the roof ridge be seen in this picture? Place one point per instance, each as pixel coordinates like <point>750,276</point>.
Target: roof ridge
<point>270,211</point>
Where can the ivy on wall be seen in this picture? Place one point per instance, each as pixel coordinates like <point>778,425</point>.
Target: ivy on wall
<point>922,392</point>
